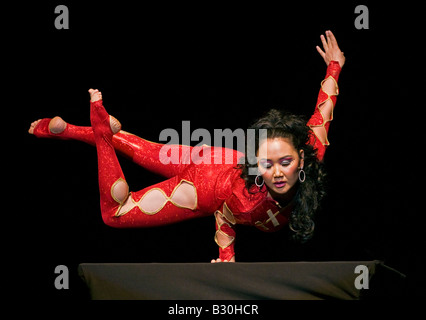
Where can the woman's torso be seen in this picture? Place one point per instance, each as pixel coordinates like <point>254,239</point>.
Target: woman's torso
<point>217,179</point>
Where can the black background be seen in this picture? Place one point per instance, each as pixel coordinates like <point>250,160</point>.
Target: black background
<point>219,66</point>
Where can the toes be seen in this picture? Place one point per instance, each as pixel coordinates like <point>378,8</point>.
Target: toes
<point>33,125</point>
<point>95,95</point>
<point>93,91</point>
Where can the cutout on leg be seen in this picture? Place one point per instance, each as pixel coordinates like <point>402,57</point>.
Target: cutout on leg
<point>114,124</point>
<point>128,205</point>
<point>153,201</point>
<point>120,191</point>
<point>57,125</point>
<point>184,195</point>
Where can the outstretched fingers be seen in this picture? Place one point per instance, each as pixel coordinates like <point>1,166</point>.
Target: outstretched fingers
<point>329,42</point>
<point>322,53</point>
<point>330,51</point>
<point>324,43</point>
<point>331,39</point>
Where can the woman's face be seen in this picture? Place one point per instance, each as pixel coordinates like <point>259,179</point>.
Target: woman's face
<point>279,163</point>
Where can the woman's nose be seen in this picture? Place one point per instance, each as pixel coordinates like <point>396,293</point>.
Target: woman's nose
<point>277,171</point>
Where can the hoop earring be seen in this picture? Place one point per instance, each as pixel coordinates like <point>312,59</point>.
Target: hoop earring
<point>302,172</point>
<point>259,184</point>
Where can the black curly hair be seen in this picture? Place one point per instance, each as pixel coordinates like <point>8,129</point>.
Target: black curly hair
<point>309,193</point>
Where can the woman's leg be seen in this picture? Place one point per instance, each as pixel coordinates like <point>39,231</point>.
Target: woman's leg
<point>167,202</point>
<point>57,128</point>
<point>145,153</point>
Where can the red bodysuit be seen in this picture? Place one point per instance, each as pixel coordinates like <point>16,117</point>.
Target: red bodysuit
<point>213,188</point>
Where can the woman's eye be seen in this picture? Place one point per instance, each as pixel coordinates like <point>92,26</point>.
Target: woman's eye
<point>266,165</point>
<point>285,163</point>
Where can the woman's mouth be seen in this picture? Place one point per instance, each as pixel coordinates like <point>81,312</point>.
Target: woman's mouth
<point>280,184</point>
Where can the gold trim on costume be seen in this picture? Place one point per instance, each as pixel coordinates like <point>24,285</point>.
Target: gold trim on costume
<point>230,217</point>
<point>121,203</point>
<point>272,218</point>
<point>219,230</point>
<point>118,213</point>
<point>166,199</point>
<point>261,224</point>
<point>112,191</point>
<point>324,122</point>
<point>169,199</point>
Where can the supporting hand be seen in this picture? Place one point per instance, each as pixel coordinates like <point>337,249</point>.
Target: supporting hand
<point>331,51</point>
<point>220,260</point>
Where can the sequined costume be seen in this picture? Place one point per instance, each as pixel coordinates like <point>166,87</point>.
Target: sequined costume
<point>192,188</point>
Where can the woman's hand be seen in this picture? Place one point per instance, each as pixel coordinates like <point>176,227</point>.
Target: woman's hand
<point>220,260</point>
<point>331,51</point>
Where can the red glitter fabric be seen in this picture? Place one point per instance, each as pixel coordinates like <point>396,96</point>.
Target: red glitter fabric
<point>214,187</point>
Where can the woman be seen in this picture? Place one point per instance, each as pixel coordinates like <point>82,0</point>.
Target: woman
<point>287,187</point>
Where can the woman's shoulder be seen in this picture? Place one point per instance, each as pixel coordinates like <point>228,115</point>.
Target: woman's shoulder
<point>243,200</point>
<point>254,206</point>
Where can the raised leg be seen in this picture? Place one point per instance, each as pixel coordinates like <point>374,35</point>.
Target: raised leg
<point>168,202</point>
<point>143,152</point>
<point>113,188</point>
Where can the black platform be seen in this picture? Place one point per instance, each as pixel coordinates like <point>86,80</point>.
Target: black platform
<point>231,281</point>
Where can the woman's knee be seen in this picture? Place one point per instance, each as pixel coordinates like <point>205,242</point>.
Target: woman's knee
<point>120,191</point>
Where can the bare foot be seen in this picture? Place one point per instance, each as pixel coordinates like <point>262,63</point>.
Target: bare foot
<point>56,125</point>
<point>32,126</point>
<point>96,95</point>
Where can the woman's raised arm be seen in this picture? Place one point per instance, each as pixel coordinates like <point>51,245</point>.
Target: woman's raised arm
<point>323,114</point>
